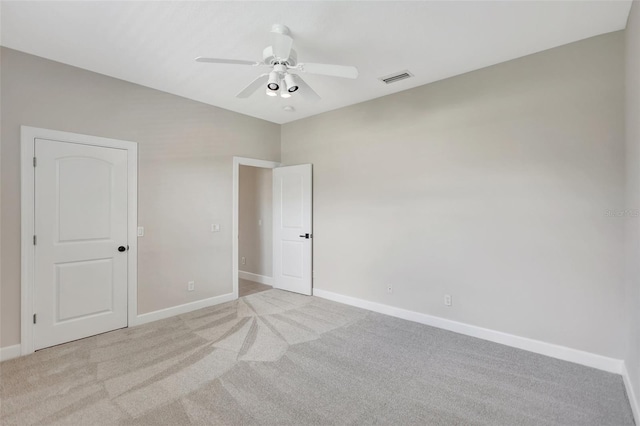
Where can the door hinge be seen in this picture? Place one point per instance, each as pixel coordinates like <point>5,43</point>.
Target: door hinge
<point>35,240</point>
<point>34,318</point>
<point>35,162</point>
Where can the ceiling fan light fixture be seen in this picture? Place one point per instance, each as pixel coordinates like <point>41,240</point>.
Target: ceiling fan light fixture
<point>271,92</point>
<point>290,83</point>
<point>274,81</point>
<point>284,93</point>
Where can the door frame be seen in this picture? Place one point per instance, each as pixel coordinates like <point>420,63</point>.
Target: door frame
<point>28,135</point>
<point>237,162</point>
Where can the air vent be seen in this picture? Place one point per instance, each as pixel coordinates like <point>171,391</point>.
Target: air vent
<point>396,76</point>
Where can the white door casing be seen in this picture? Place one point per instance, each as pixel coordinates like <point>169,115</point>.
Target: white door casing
<point>80,224</point>
<point>292,228</point>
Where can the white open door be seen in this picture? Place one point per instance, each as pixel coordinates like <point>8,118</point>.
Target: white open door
<point>292,231</point>
<point>80,252</point>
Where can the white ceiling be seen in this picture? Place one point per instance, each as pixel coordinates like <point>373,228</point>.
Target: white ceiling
<point>154,43</point>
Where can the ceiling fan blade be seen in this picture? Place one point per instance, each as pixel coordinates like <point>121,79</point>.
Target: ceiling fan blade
<point>281,44</point>
<point>226,61</point>
<point>305,90</point>
<point>259,82</point>
<point>343,71</point>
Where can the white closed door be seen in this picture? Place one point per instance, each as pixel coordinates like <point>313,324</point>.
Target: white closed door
<point>292,230</point>
<point>81,241</point>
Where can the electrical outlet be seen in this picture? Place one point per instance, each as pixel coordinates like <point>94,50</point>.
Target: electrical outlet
<point>191,285</point>
<point>215,227</point>
<point>389,289</point>
<point>244,260</point>
<point>447,299</point>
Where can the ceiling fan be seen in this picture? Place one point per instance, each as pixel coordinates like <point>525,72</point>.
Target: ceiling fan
<point>282,59</point>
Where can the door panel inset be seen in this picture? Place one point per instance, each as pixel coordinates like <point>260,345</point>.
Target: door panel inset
<point>292,202</point>
<point>93,220</point>
<point>293,252</point>
<point>84,288</point>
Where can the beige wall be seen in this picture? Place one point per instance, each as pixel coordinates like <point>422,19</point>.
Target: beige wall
<point>632,358</point>
<point>491,186</point>
<point>254,220</point>
<point>185,171</point>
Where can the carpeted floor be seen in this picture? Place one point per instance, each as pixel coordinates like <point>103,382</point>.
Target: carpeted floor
<point>278,358</point>
<point>246,287</point>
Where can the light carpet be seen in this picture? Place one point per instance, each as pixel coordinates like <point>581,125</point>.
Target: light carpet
<point>246,287</point>
<point>278,358</point>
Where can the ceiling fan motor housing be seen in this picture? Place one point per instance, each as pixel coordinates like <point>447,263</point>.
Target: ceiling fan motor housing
<point>269,58</point>
<point>280,29</point>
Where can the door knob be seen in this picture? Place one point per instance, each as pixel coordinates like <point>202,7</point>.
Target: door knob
<point>122,248</point>
<point>307,236</point>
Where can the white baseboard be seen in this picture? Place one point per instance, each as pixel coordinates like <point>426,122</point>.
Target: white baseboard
<point>182,309</point>
<point>588,359</point>
<point>631,394</point>
<point>262,279</point>
<point>10,352</point>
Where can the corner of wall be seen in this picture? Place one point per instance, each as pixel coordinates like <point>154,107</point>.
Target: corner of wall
<point>632,193</point>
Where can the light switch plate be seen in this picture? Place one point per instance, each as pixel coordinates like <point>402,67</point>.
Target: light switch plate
<point>140,231</point>
<point>215,228</point>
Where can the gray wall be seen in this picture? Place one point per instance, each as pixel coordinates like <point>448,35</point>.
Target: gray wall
<point>491,186</point>
<point>255,205</point>
<point>185,171</point>
<point>632,358</point>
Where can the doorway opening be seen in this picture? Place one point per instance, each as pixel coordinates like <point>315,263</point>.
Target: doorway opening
<point>291,229</point>
<point>255,224</point>
<point>252,225</point>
